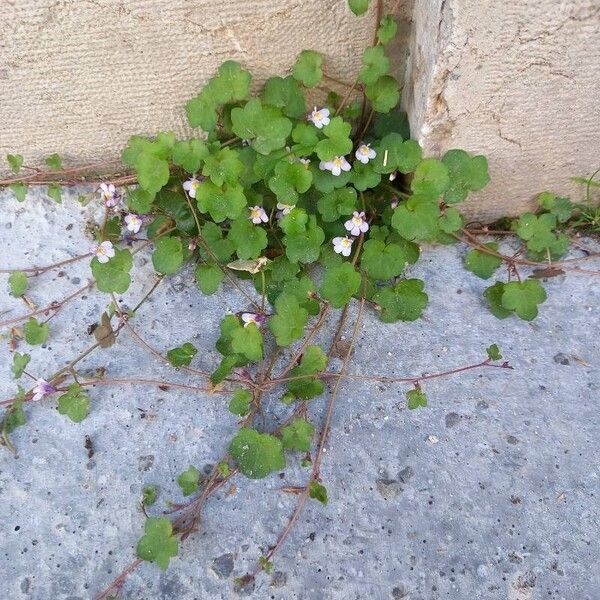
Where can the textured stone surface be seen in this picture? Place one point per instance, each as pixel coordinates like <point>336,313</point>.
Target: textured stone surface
<point>514,81</point>
<point>491,492</point>
<point>79,77</point>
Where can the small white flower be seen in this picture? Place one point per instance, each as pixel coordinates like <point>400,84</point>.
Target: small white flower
<point>133,222</point>
<point>394,203</point>
<point>304,161</point>
<point>393,175</point>
<point>365,153</point>
<point>320,117</point>
<point>337,165</point>
<point>342,245</point>
<point>108,193</point>
<point>257,319</point>
<point>285,208</point>
<point>42,388</point>
<point>258,215</point>
<point>323,166</point>
<point>357,224</point>
<point>104,251</point>
<point>191,186</point>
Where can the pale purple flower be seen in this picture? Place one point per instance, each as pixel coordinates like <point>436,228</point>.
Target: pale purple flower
<point>357,224</point>
<point>42,388</point>
<point>192,245</point>
<point>255,318</point>
<point>258,215</point>
<point>320,117</point>
<point>394,203</point>
<point>323,166</point>
<point>337,165</point>
<point>364,153</point>
<point>104,251</point>
<point>108,193</point>
<point>191,186</point>
<point>342,245</point>
<point>285,208</point>
<point>133,222</point>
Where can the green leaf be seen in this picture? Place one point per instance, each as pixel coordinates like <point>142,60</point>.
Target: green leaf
<point>305,387</point>
<point>337,141</point>
<point>307,69</point>
<point>363,177</point>
<point>375,65</point>
<point>14,417</point>
<point>54,162</point>
<point>257,454</point>
<point>395,121</point>
<point>188,480</point>
<point>19,189</point>
<point>383,261</point>
<point>305,247</point>
<point>17,283</point>
<point>231,84</point>
<point>466,174</point>
<point>140,201</point>
<point>387,29</point>
<point>182,356</point>
<point>153,172</point>
<point>249,240</point>
<point>493,352</point>
<point>340,284</point>
<point>416,399</point>
<point>168,255</point>
<point>282,269</point>
<point>224,166</point>
<point>493,295</point>
<point>294,222</point>
<point>248,341</point>
<point>158,544</point>
<point>397,154</point>
<point>325,181</point>
<point>226,202</point>
<point>403,302</point>
<point>15,162</point>
<point>482,264</point>
<point>149,494</point>
<point>54,192</point>
<point>262,124</point>
<point>306,138</point>
<point>208,278</point>
<point>113,276</point>
<point>224,369</point>
<point>416,219</point>
<point>220,248</point>
<point>202,111</point>
<point>431,179</point>
<point>297,435</point>
<point>537,231</point>
<point>240,402</point>
<point>451,220</point>
<point>285,93</point>
<point>35,333</point>
<point>190,154</point>
<point>20,362</point>
<point>318,491</point>
<point>561,208</point>
<point>523,298</point>
<point>359,7</point>
<point>289,180</point>
<point>384,94</point>
<point>75,403</point>
<point>338,203</point>
<point>289,320</point>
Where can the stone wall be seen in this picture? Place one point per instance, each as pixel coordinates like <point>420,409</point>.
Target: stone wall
<point>518,82</point>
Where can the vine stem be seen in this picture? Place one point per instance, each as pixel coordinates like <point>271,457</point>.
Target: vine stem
<point>315,473</point>
<point>39,270</point>
<point>156,382</point>
<point>55,306</point>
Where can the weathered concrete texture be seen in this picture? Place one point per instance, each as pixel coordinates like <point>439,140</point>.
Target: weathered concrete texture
<point>490,493</point>
<point>516,82</point>
<point>80,77</point>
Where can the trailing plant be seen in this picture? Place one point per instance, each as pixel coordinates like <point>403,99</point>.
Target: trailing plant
<point>304,209</point>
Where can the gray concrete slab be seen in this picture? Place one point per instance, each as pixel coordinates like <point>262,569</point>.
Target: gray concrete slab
<point>491,492</point>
